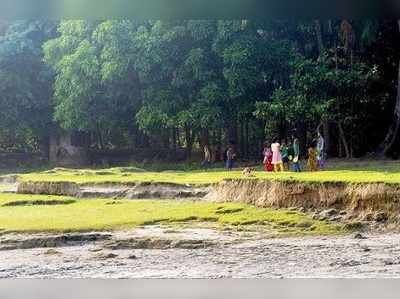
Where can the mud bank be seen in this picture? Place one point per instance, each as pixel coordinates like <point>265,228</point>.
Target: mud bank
<point>232,255</point>
<point>379,202</point>
<point>48,188</point>
<point>140,190</point>
<point>363,201</point>
<point>49,240</point>
<point>8,179</point>
<point>148,238</point>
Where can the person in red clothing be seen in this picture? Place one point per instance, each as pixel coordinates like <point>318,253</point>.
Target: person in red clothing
<point>268,158</point>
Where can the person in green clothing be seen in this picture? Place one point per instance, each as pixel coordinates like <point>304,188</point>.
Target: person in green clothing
<point>296,155</point>
<point>285,155</point>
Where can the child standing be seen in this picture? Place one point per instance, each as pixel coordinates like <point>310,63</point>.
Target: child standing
<point>296,155</point>
<point>285,156</point>
<point>276,156</point>
<point>312,159</point>
<point>267,159</point>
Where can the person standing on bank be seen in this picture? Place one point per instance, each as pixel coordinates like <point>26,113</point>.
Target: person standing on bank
<point>285,155</point>
<point>230,157</point>
<point>321,151</point>
<point>267,158</point>
<point>276,156</point>
<point>296,155</point>
<point>312,162</point>
<point>207,157</point>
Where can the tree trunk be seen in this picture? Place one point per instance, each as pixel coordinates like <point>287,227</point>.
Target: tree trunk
<point>232,132</point>
<point>247,139</point>
<point>343,139</point>
<point>174,139</point>
<point>327,136</point>
<point>242,139</point>
<point>165,140</point>
<point>340,150</point>
<point>318,32</point>
<point>321,49</point>
<point>204,137</point>
<point>393,131</point>
<point>44,147</point>
<point>189,142</point>
<point>301,134</point>
<point>99,138</point>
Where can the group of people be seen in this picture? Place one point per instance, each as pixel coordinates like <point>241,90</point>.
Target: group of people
<point>279,156</point>
<point>228,156</point>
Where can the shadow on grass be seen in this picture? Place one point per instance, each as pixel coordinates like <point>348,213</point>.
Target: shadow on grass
<point>38,202</point>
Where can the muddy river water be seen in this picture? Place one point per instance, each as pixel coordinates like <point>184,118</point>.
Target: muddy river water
<point>157,252</point>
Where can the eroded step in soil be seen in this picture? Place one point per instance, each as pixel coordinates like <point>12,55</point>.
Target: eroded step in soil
<point>136,191</point>
<point>8,183</point>
<point>49,240</point>
<point>151,237</point>
<point>143,191</point>
<point>8,187</point>
<point>8,179</point>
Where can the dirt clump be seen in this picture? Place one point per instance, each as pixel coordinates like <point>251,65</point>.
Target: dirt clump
<point>157,243</point>
<point>48,188</point>
<point>105,256</point>
<point>38,202</point>
<point>51,241</point>
<point>52,251</point>
<point>8,179</point>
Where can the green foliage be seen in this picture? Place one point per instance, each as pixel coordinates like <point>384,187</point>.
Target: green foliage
<point>93,86</point>
<point>323,89</point>
<point>25,89</point>
<point>185,83</point>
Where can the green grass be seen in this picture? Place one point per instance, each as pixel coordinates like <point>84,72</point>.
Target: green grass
<point>354,171</point>
<point>72,215</point>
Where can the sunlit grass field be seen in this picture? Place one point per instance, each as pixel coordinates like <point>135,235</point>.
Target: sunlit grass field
<point>41,213</point>
<point>337,171</point>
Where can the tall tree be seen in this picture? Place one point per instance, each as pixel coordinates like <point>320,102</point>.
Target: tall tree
<point>25,91</point>
<point>94,88</point>
<point>393,131</point>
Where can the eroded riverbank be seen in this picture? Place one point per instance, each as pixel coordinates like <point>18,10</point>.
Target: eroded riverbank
<point>284,208</point>
<point>207,253</point>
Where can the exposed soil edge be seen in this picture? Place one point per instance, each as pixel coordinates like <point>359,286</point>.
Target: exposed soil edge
<point>141,190</point>
<point>361,200</point>
<point>8,179</point>
<point>48,188</point>
<point>52,240</point>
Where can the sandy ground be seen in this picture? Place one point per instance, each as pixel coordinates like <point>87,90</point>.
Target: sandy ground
<point>8,187</point>
<point>159,252</point>
<point>228,254</point>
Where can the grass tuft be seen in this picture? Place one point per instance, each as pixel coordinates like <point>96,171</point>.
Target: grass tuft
<point>39,202</point>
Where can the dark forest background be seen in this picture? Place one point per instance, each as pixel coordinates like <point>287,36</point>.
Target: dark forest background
<point>174,86</point>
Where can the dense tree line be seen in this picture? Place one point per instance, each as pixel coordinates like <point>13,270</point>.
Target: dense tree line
<point>174,85</point>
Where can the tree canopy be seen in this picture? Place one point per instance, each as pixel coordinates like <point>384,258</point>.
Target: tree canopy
<point>182,84</point>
